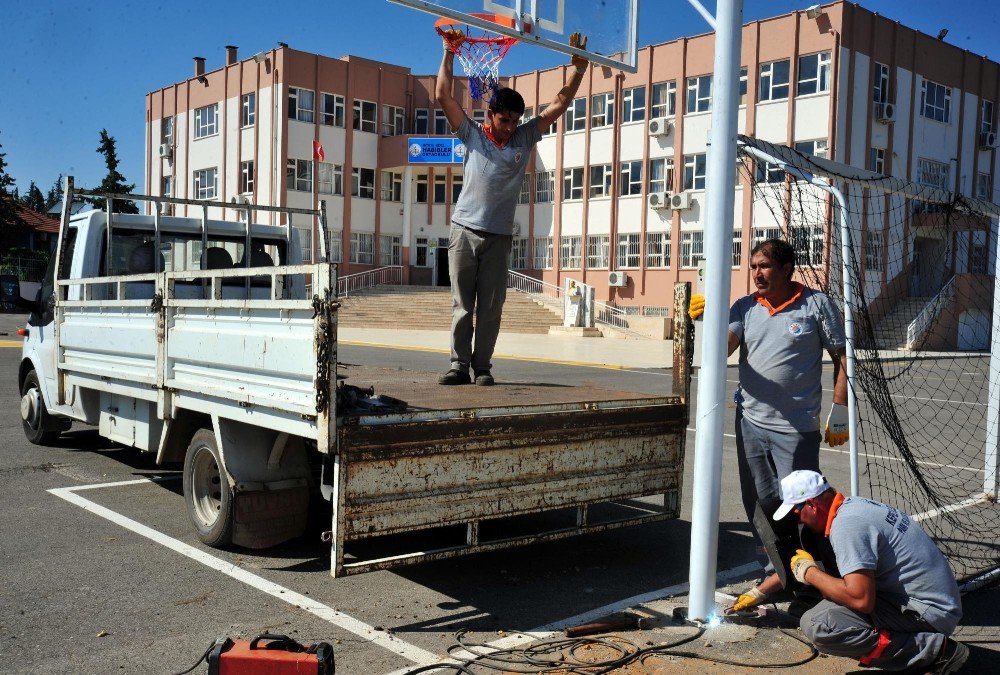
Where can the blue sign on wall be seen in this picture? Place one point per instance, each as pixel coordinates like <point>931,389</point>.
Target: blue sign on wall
<point>435,151</point>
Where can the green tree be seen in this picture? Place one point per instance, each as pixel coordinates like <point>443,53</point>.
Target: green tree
<point>10,222</point>
<point>54,194</point>
<point>33,198</point>
<point>114,181</point>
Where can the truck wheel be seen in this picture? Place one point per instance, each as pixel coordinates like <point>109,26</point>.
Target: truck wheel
<point>207,493</point>
<point>35,418</point>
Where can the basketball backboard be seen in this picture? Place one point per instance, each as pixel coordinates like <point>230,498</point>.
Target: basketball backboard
<point>611,26</point>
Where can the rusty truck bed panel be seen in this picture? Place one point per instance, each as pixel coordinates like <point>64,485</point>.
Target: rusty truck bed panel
<point>421,390</point>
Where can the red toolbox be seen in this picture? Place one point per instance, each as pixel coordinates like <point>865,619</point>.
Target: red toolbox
<point>270,654</point>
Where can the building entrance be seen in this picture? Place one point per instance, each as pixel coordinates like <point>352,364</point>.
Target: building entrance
<point>441,267</point>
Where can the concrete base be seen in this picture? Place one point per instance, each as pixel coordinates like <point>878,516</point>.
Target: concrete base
<point>575,331</point>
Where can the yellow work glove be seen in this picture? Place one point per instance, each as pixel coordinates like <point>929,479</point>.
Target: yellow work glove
<point>697,306</point>
<point>748,600</point>
<point>578,62</point>
<point>453,38</point>
<point>836,426</point>
<point>802,561</point>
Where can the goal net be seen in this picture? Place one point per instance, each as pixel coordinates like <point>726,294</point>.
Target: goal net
<point>922,265</point>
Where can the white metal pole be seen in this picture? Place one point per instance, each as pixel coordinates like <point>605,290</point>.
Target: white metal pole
<point>992,477</point>
<point>719,199</point>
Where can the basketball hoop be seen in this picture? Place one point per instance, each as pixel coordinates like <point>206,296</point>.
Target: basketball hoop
<point>480,56</point>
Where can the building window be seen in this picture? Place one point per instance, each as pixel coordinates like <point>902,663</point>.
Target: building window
<point>602,110</point>
<point>576,115</point>
<point>440,123</point>
<point>876,160</point>
<point>664,100</point>
<point>661,174</point>
<point>694,171</point>
<point>246,177</point>
<point>760,234</point>
<point>393,120</point>
<point>331,179</point>
<point>392,186</point>
<point>336,246</point>
<point>814,74</point>
<point>167,131</point>
<point>934,174</point>
<point>551,129</point>
<point>248,111</point>
<point>699,94</point>
<point>479,116</point>
<point>421,195</point>
<point>390,249</point>
<point>692,248</point>
<point>544,185</point>
<point>421,258</point>
<point>518,253</point>
<point>300,104</point>
<point>873,250</point>
<point>524,196</point>
<point>569,252</point>
<point>634,105</point>
<point>363,183</point>
<point>440,188</point>
<point>600,180</point>
<point>812,148</point>
<point>743,86</point>
<point>986,118</point>
<point>774,80</point>
<point>573,183</point>
<point>206,121</point>
<point>630,178</point>
<point>768,172</point>
<point>598,254</point>
<point>364,116</point>
<point>542,249</point>
<point>978,253</point>
<point>420,120</point>
<point>205,183</point>
<point>807,240</point>
<point>628,250</point>
<point>331,110</point>
<point>984,186</point>
<point>362,248</point>
<point>737,250</point>
<point>527,115</point>
<point>880,88</point>
<point>299,175</point>
<point>456,187</point>
<point>167,187</point>
<point>935,101</point>
<point>657,249</point>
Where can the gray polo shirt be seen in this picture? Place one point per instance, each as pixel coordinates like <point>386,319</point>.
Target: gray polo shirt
<point>493,176</point>
<point>781,359</point>
<point>910,572</point>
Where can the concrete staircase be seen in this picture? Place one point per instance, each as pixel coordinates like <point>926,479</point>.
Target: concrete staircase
<point>891,330</point>
<point>429,308</point>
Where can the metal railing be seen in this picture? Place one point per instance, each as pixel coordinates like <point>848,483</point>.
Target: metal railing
<point>541,290</point>
<point>611,316</point>
<point>25,269</point>
<point>352,283</point>
<point>918,328</point>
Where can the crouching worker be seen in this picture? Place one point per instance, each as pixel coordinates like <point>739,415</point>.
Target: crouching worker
<point>895,602</point>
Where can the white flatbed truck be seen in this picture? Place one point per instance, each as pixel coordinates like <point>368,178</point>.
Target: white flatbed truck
<point>167,336</point>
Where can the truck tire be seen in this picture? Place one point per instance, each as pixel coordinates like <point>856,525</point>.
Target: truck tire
<point>38,424</point>
<point>207,493</point>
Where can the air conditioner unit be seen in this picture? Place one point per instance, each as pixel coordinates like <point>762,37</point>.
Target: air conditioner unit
<point>166,151</point>
<point>617,279</point>
<point>680,201</point>
<point>660,126</point>
<point>885,113</point>
<point>987,140</point>
<point>658,200</point>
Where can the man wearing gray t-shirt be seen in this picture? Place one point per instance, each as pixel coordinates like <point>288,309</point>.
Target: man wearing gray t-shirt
<point>497,154</point>
<point>895,602</point>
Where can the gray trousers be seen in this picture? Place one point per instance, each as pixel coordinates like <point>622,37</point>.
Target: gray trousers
<point>765,457</point>
<point>907,640</point>
<point>477,266</point>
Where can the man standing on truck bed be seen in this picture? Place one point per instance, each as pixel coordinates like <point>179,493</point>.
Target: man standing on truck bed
<point>496,157</point>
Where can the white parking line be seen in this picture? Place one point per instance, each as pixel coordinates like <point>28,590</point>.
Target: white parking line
<point>318,609</point>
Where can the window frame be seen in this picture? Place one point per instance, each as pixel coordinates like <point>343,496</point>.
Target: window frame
<point>692,248</point>
<point>421,120</point>
<point>820,74</point>
<point>929,109</point>
<point>393,120</point>
<point>247,177</point>
<point>362,244</point>
<point>205,191</point>
<point>600,180</point>
<point>248,110</point>
<point>605,117</point>
<point>630,178</point>
<point>769,86</point>
<point>570,252</point>
<point>658,248</point>
<point>333,110</point>
<point>633,110</point>
<point>698,100</point>
<point>668,108</point>
<point>362,182</point>
<point>336,179</point>
<point>541,262</point>
<point>391,244</point>
<point>666,182</point>
<point>573,183</point>
<point>365,116</point>
<point>544,194</point>
<point>629,250</point>
<point>598,251</point>
<point>391,187</point>
<point>298,111</point>
<point>575,117</point>
<point>299,175</point>
<point>693,180</point>
<point>206,128</point>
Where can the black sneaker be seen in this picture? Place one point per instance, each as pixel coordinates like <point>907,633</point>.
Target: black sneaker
<point>455,376</point>
<point>951,659</point>
<point>483,378</point>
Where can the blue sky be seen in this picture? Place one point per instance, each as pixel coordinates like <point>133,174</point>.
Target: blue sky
<point>73,68</point>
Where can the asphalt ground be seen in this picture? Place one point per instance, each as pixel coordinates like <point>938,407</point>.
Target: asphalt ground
<point>112,579</point>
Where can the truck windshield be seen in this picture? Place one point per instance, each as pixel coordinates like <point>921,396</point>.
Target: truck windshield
<point>132,252</point>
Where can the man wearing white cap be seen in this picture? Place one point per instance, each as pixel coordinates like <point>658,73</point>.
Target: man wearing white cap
<point>895,602</point>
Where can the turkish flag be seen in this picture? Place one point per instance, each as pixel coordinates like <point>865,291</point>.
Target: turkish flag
<point>318,153</point>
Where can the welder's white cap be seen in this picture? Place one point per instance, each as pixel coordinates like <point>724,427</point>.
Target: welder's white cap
<point>797,487</point>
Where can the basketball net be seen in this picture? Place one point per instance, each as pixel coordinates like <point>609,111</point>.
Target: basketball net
<point>480,56</point>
